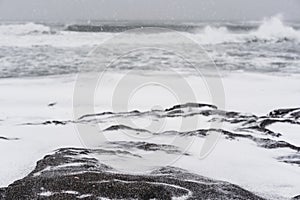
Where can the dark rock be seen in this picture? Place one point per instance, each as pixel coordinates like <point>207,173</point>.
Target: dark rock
<point>240,125</point>
<point>291,159</point>
<point>95,115</point>
<point>52,104</point>
<point>262,142</point>
<point>262,129</point>
<point>190,105</point>
<point>296,197</point>
<point>6,138</point>
<point>123,127</point>
<point>2,193</point>
<point>49,122</point>
<point>147,146</point>
<point>296,115</point>
<point>268,122</point>
<point>273,144</point>
<point>66,175</point>
<point>56,122</point>
<point>281,112</point>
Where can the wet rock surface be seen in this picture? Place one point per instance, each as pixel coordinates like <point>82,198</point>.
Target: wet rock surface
<point>72,173</point>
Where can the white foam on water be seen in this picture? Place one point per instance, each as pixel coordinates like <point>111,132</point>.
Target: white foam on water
<point>274,29</point>
<point>270,29</point>
<point>23,29</point>
<point>31,34</point>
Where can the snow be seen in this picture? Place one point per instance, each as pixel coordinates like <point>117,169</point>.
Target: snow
<point>240,162</point>
<point>290,132</point>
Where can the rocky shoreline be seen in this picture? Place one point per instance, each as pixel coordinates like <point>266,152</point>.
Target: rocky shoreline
<point>83,173</point>
<point>70,173</point>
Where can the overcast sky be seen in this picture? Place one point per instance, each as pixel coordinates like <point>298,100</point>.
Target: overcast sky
<point>69,10</point>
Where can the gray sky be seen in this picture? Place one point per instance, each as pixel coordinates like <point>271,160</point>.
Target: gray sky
<point>70,10</point>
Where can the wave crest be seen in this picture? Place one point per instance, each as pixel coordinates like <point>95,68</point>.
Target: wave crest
<point>274,29</point>
<point>270,30</point>
<point>215,35</point>
<point>24,29</point>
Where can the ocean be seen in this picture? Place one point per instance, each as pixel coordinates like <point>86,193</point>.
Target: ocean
<point>41,49</point>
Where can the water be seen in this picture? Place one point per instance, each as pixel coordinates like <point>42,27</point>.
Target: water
<point>31,49</point>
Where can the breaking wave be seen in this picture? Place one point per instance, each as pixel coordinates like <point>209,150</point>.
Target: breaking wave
<point>270,30</point>
<point>216,35</point>
<point>31,49</point>
<point>24,29</point>
<point>274,29</point>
